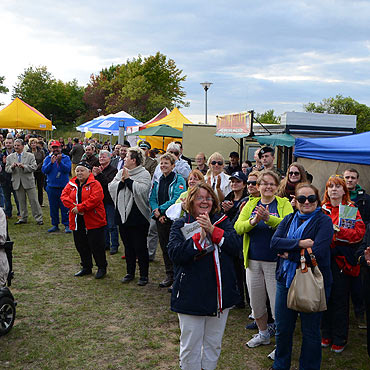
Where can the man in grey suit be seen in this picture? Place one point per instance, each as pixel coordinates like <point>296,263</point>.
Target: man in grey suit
<point>22,165</point>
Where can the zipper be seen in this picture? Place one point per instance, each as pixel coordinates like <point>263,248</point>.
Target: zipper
<point>178,293</point>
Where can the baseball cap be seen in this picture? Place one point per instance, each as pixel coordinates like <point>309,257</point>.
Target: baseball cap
<point>55,143</point>
<point>239,175</point>
<point>234,154</point>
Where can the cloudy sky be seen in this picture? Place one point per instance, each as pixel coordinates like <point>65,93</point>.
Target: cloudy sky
<point>259,55</point>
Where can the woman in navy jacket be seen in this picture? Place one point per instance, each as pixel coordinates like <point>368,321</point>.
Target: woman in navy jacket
<point>309,227</point>
<point>202,246</point>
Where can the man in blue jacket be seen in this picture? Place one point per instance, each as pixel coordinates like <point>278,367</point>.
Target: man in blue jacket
<point>56,168</point>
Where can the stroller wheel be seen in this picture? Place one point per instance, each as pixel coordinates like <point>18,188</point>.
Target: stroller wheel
<point>7,315</point>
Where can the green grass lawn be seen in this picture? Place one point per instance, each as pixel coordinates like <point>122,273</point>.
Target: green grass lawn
<point>65,322</point>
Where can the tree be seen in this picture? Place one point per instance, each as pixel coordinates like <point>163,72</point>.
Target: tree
<point>3,89</point>
<point>343,105</point>
<point>141,87</point>
<point>64,101</point>
<point>268,117</point>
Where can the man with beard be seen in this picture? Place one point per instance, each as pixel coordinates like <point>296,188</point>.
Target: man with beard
<point>56,168</point>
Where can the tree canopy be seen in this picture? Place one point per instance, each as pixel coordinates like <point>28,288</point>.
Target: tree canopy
<point>343,105</point>
<point>3,89</point>
<point>268,117</point>
<point>141,87</point>
<point>53,98</point>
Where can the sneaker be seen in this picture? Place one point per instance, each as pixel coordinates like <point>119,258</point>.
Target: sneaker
<point>361,323</point>
<point>271,356</point>
<point>337,349</point>
<point>272,329</point>
<point>252,326</point>
<point>67,230</point>
<point>250,317</point>
<point>143,281</point>
<point>325,342</point>
<point>257,340</point>
<point>53,229</point>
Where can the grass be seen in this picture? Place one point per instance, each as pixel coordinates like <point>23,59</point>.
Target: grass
<point>65,322</point>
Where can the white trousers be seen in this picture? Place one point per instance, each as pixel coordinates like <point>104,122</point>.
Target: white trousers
<point>261,281</point>
<point>200,340</point>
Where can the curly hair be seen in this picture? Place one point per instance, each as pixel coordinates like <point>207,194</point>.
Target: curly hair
<point>193,192</point>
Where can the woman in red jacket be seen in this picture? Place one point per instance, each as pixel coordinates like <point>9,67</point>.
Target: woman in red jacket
<point>83,196</point>
<point>343,263</point>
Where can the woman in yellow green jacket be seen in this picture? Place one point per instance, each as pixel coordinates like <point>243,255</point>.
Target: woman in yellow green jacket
<point>257,223</point>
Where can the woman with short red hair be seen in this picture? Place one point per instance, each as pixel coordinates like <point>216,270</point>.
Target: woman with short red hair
<point>343,263</point>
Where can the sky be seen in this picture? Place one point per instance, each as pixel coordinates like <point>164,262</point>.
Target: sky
<point>259,55</point>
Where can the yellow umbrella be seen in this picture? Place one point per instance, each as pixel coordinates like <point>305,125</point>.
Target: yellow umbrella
<point>20,115</point>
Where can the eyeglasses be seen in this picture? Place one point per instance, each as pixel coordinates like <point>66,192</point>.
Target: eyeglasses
<point>175,153</point>
<point>268,184</point>
<point>220,163</point>
<point>202,199</point>
<point>254,183</point>
<point>302,199</point>
<point>334,176</point>
<point>294,173</point>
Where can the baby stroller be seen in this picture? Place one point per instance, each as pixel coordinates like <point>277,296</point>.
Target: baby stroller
<point>7,304</point>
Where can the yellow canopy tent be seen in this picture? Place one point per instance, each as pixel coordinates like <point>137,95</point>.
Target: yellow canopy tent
<point>176,120</point>
<point>20,115</point>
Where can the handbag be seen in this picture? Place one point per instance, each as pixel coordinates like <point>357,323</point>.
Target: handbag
<point>307,293</point>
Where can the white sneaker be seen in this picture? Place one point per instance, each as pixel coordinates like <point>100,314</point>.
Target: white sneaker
<point>271,356</point>
<point>257,340</point>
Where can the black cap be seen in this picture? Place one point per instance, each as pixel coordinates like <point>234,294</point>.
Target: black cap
<point>127,143</point>
<point>239,175</point>
<point>84,164</point>
<point>264,150</point>
<point>234,154</point>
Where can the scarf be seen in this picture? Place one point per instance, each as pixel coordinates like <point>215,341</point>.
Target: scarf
<point>297,226</point>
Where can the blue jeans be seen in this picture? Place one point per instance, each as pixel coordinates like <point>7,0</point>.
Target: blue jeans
<point>285,319</point>
<point>55,205</point>
<point>111,231</point>
<point>8,190</point>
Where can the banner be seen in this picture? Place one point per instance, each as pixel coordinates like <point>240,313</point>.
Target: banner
<point>236,125</point>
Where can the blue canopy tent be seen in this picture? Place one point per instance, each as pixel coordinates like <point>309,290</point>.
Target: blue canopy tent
<point>346,149</point>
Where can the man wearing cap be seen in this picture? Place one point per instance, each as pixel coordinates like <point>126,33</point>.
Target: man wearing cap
<point>150,164</point>
<point>267,157</point>
<point>234,165</point>
<point>22,165</point>
<point>56,168</point>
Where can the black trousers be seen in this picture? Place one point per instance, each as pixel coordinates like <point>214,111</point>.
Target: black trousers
<point>39,180</point>
<point>164,236</point>
<point>91,243</point>
<point>365,275</point>
<point>335,320</point>
<point>134,240</point>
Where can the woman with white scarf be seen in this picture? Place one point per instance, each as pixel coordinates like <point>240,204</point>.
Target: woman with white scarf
<point>130,191</point>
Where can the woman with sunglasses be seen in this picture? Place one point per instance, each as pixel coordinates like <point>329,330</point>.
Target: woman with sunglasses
<point>343,263</point>
<point>216,177</point>
<point>294,175</point>
<point>309,227</point>
<point>257,222</point>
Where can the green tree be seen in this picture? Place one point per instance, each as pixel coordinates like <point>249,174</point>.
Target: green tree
<point>64,101</point>
<point>141,87</point>
<point>268,117</point>
<point>343,105</point>
<point>3,89</point>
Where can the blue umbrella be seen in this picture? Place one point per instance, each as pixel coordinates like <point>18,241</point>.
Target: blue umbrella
<point>85,126</point>
<point>110,125</point>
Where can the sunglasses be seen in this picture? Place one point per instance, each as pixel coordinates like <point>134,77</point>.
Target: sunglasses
<point>254,183</point>
<point>291,173</point>
<point>302,199</point>
<point>220,163</point>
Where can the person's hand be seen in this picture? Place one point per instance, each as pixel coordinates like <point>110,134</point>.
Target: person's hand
<point>21,165</point>
<point>209,180</point>
<point>264,212</point>
<point>183,206</point>
<point>293,202</point>
<point>284,255</point>
<point>15,164</point>
<point>4,159</point>
<point>74,210</point>
<point>305,243</point>
<point>367,255</point>
<point>205,223</point>
<point>227,205</point>
<point>53,159</point>
<point>95,171</point>
<point>125,174</point>
<point>242,206</point>
<point>156,212</point>
<point>162,219</point>
<point>59,157</point>
<point>218,183</point>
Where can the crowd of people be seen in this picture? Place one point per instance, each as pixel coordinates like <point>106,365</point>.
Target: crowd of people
<point>231,235</point>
